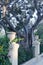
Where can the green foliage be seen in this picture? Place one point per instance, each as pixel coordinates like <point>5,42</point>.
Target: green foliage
<point>40,30</point>
<point>24,55</point>
<point>41,48</point>
<point>4,45</point>
<point>17,39</point>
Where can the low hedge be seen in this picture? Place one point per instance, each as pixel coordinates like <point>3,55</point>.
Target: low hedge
<point>4,45</point>
<point>24,55</point>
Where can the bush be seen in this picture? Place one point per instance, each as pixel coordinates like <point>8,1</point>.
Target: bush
<point>4,45</point>
<point>24,55</point>
<point>41,48</point>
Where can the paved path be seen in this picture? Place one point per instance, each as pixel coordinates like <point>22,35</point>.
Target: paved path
<point>35,61</point>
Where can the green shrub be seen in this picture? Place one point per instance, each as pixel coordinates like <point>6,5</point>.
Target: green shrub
<point>41,48</point>
<point>24,55</point>
<point>4,45</point>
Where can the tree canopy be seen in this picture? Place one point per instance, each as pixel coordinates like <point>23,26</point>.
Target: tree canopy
<point>20,13</point>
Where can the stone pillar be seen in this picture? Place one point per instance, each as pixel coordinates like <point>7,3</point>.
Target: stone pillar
<point>36,45</point>
<point>14,54</point>
<point>13,49</point>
